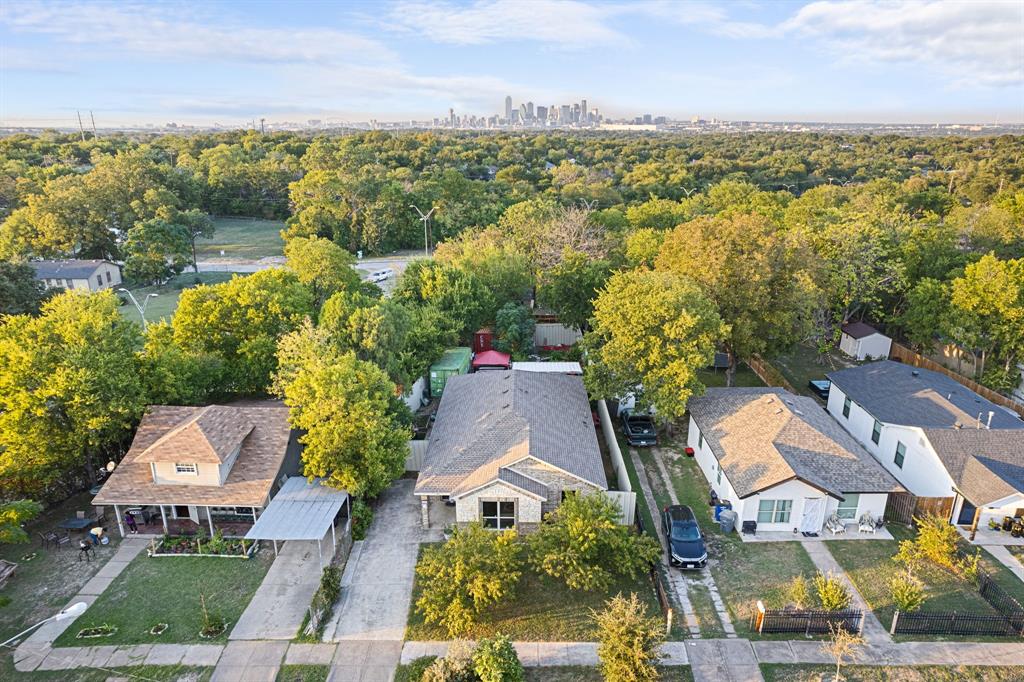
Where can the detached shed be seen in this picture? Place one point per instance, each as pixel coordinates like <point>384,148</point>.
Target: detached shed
<point>862,341</point>
<point>454,361</point>
<point>492,359</point>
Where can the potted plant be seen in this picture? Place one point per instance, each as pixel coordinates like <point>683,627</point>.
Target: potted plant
<point>993,525</point>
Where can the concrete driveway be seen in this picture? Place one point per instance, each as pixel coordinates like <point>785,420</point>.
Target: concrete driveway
<point>377,584</point>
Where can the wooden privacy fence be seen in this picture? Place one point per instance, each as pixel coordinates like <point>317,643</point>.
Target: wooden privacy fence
<point>904,507</point>
<point>807,621</point>
<point>769,374</point>
<point>905,355</point>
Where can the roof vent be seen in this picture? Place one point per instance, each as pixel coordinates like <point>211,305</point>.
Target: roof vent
<point>958,425</point>
<point>779,411</point>
<point>915,373</point>
<point>505,406</point>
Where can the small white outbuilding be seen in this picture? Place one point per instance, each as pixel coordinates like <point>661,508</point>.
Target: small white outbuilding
<point>864,342</point>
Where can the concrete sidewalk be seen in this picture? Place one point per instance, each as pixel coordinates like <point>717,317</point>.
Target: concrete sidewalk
<point>1007,559</point>
<point>279,605</point>
<point>874,632</point>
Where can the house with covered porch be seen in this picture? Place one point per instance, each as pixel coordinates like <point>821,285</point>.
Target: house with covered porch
<point>213,467</point>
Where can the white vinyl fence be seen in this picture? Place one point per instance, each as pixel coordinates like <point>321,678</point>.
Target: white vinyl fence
<point>555,334</point>
<point>417,451</point>
<point>624,497</point>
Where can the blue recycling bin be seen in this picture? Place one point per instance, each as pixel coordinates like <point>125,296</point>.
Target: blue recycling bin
<point>722,504</point>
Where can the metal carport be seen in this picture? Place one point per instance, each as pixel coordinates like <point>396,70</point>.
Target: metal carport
<point>301,510</point>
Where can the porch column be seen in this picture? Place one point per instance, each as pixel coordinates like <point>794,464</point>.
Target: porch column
<point>209,518</point>
<point>319,555</point>
<point>334,541</point>
<point>120,523</point>
<point>254,514</point>
<point>974,524</point>
<point>163,517</point>
<point>425,511</point>
<point>275,547</point>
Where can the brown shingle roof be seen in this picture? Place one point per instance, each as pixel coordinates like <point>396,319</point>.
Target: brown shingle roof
<point>859,330</point>
<point>251,478</point>
<point>211,435</point>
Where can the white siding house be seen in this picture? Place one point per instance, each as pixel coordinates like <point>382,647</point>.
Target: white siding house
<point>782,462</point>
<point>83,275</point>
<point>863,342</point>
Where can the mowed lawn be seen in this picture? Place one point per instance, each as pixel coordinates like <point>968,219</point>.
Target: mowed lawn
<point>744,377</point>
<point>248,238</point>
<point>888,673</point>
<point>542,609</point>
<point>744,572</point>
<point>163,305</point>
<point>802,364</point>
<point>167,590</point>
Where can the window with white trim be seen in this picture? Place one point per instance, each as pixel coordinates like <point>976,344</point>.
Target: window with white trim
<point>846,407</point>
<point>186,469</point>
<point>848,508</point>
<point>876,432</point>
<point>700,440</point>
<point>774,511</point>
<point>498,515</point>
<point>719,480</point>
<point>901,454</point>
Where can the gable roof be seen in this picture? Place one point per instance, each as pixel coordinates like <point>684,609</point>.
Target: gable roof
<point>766,436</point>
<point>896,393</point>
<point>487,421</point>
<point>859,330</point>
<point>66,269</point>
<point>210,434</point>
<point>985,465</point>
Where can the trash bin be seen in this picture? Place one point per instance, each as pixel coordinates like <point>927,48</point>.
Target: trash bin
<point>722,505</point>
<point>727,520</point>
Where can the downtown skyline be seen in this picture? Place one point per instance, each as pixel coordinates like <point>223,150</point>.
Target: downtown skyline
<point>861,61</point>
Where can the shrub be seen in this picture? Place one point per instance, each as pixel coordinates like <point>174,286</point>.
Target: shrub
<point>629,641</point>
<point>936,543</point>
<point>907,592</point>
<point>456,666</point>
<point>496,660</point>
<point>461,578</point>
<point>415,670</point>
<point>583,545</point>
<point>832,594</point>
<point>799,592</point>
<point>362,516</point>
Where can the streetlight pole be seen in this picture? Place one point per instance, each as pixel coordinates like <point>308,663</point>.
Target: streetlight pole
<point>140,308</point>
<point>73,611</point>
<point>425,217</point>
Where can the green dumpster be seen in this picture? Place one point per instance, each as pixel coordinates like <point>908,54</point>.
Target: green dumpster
<point>454,361</point>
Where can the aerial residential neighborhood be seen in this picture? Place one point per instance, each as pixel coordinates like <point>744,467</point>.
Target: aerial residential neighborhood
<point>491,341</point>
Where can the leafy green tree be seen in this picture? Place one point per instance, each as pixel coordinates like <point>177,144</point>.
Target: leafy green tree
<point>70,391</point>
<point>656,214</point>
<point>493,261</point>
<point>198,225</point>
<point>374,329</point>
<point>173,376</point>
<point>583,544</point>
<point>155,250</point>
<point>643,245</point>
<point>321,265</point>
<point>752,273</point>
<point>514,327</point>
<point>652,333</point>
<point>457,294</point>
<point>240,321</point>
<point>473,571</point>
<point>496,660</point>
<point>348,410</point>
<point>629,641</point>
<point>570,287</point>
<point>13,515</point>
<point>20,291</point>
<point>927,314</point>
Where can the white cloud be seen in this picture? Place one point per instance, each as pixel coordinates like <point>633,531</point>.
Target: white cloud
<point>973,43</point>
<point>174,33</point>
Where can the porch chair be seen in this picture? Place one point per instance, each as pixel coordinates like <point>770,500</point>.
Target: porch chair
<point>63,540</point>
<point>866,523</point>
<point>835,525</point>
<point>46,538</point>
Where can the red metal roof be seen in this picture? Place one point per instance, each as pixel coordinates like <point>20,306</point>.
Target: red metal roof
<point>492,358</point>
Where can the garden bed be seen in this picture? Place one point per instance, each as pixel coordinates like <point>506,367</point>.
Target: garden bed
<point>195,545</point>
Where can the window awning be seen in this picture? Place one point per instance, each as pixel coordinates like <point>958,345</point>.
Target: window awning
<point>300,511</point>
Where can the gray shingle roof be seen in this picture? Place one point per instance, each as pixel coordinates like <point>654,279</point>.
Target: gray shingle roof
<point>765,436</point>
<point>892,393</point>
<point>986,465</point>
<point>65,269</point>
<point>489,420</point>
<point>513,477</point>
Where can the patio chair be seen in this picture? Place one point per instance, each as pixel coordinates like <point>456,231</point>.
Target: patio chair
<point>63,540</point>
<point>835,525</point>
<point>46,538</point>
<point>866,523</point>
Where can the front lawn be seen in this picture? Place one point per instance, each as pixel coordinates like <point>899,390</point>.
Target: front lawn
<point>47,579</point>
<point>167,590</point>
<point>153,673</point>
<point>1017,551</point>
<point>566,673</point>
<point>303,673</point>
<point>542,609</point>
<point>743,571</point>
<point>1003,576</point>
<point>774,672</point>
<point>871,568</point>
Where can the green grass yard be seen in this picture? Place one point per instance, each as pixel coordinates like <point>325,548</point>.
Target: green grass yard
<point>865,673</point>
<point>542,609</point>
<point>153,673</point>
<point>249,238</point>
<point>303,673</point>
<point>802,363</point>
<point>167,590</point>
<point>745,377</point>
<point>564,673</point>
<point>166,301</point>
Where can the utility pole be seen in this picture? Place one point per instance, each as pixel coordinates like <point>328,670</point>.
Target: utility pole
<point>263,130</point>
<point>425,217</point>
<point>95,135</point>
<point>80,126</point>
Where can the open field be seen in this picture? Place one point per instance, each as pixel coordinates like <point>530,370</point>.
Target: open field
<point>248,238</point>
<point>163,305</point>
<point>167,590</point>
<point>866,673</point>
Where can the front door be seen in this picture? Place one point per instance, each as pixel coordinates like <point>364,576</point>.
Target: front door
<point>966,517</point>
<point>814,514</point>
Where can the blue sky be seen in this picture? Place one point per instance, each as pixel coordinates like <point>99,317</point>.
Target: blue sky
<point>229,62</point>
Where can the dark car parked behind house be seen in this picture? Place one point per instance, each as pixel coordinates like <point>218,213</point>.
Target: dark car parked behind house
<point>639,429</point>
<point>685,539</point>
<point>820,387</point>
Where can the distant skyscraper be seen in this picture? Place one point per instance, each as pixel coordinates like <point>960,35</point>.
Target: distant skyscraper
<point>647,118</point>
<point>584,117</point>
<point>565,114</point>
<point>451,117</point>
<point>575,113</point>
<point>542,113</point>
<point>529,111</point>
<point>522,112</point>
<point>508,108</point>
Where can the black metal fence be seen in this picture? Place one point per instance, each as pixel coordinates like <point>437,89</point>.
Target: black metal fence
<point>1008,621</point>
<point>807,621</point>
<point>1003,602</point>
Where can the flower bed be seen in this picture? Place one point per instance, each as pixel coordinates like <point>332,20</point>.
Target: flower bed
<point>96,631</point>
<point>198,545</point>
<point>158,629</point>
